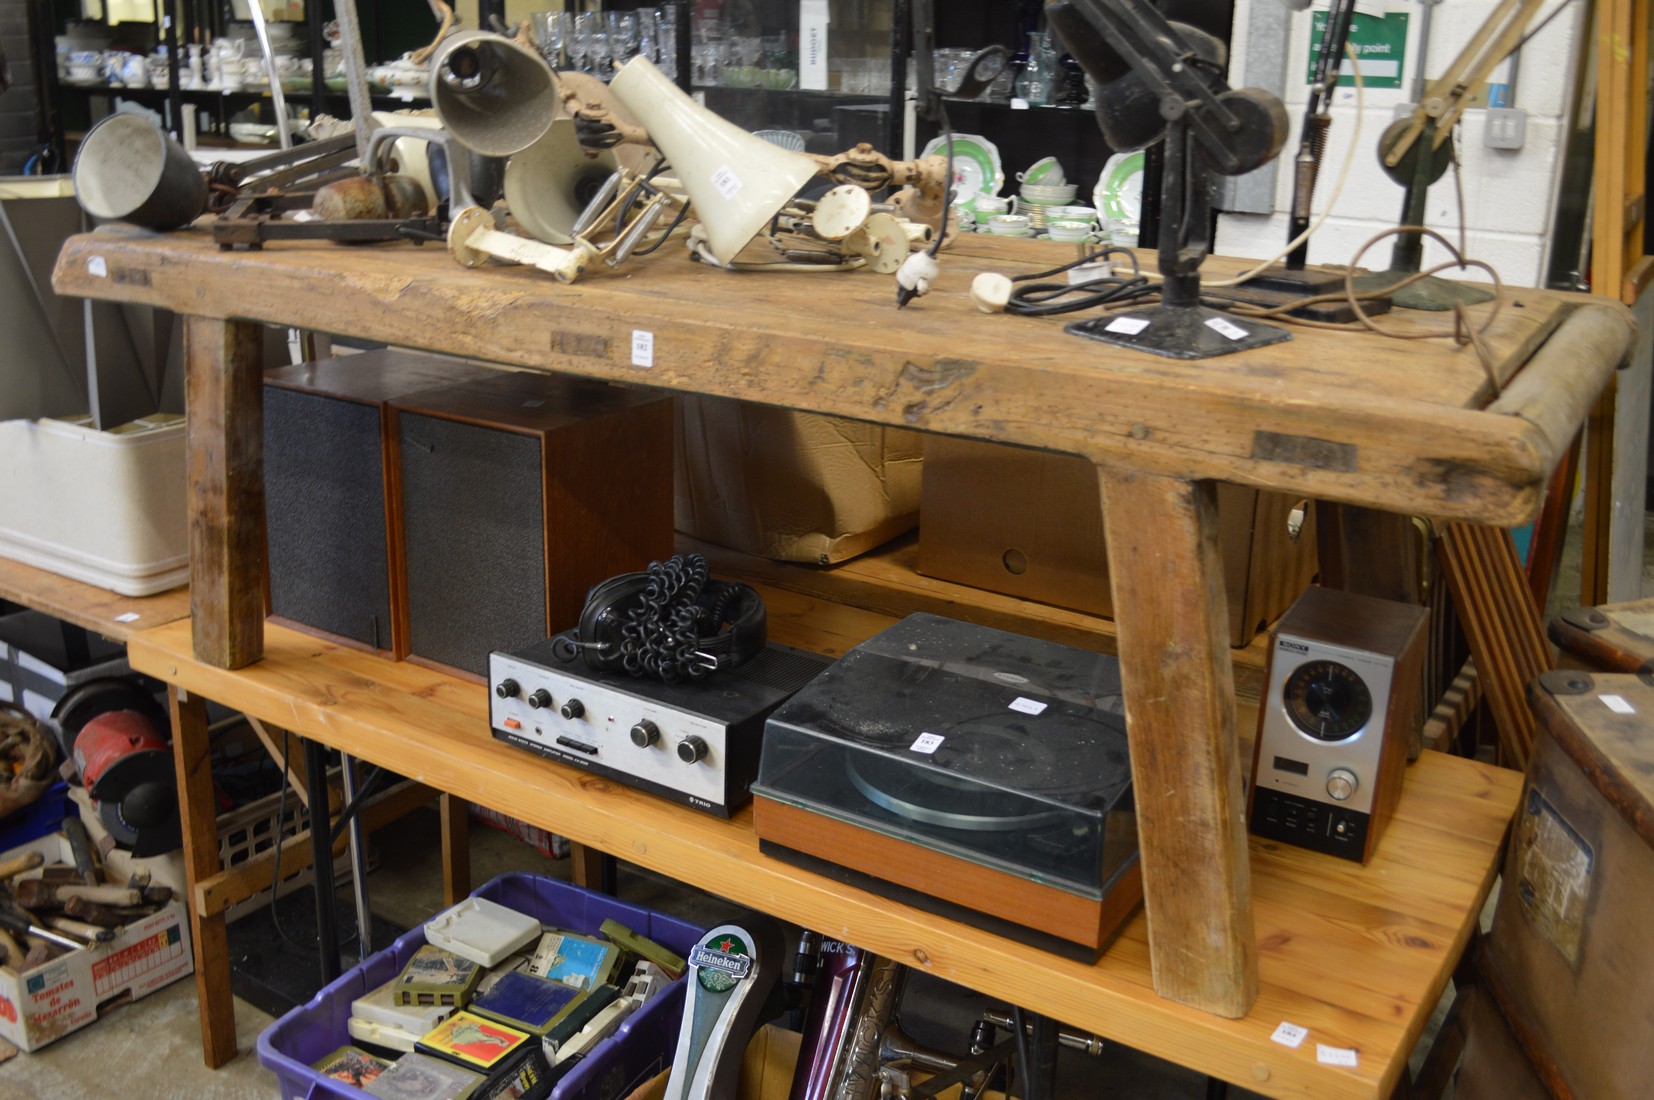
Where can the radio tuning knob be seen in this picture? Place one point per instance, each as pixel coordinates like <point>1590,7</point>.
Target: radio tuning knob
<point>507,689</point>
<point>540,698</point>
<point>645,733</point>
<point>691,749</point>
<point>574,708</point>
<point>1341,783</point>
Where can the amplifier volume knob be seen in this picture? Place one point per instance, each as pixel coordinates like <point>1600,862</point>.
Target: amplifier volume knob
<point>540,698</point>
<point>645,733</point>
<point>691,749</point>
<point>574,708</point>
<point>1342,783</point>
<point>507,689</point>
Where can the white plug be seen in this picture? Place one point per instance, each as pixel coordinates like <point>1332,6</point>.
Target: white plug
<point>917,272</point>
<point>991,292</point>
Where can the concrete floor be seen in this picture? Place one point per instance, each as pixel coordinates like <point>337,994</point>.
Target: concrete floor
<point>152,1047</point>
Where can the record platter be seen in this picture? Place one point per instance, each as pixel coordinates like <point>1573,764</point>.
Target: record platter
<point>964,769</point>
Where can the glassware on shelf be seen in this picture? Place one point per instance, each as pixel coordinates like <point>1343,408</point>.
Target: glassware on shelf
<point>1033,84</point>
<point>551,35</point>
<point>622,35</point>
<point>585,25</point>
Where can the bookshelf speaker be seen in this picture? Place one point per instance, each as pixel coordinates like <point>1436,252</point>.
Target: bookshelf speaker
<point>328,507</point>
<point>518,493</point>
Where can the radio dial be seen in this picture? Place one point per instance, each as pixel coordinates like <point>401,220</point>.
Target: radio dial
<point>645,733</point>
<point>574,708</point>
<point>1341,784</point>
<point>507,689</point>
<point>691,749</point>
<point>540,698</point>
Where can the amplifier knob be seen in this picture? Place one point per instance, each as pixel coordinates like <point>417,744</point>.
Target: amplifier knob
<point>574,708</point>
<point>1342,783</point>
<point>691,749</point>
<point>540,698</point>
<point>645,733</point>
<point>507,689</point>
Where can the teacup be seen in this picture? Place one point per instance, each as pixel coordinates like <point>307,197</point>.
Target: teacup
<point>989,205</point>
<point>1065,229</point>
<point>1071,213</point>
<point>1008,223</point>
<point>1047,172</point>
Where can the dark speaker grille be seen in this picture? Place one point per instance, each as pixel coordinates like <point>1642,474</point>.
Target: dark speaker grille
<point>782,669</point>
<point>324,499</point>
<point>475,538</point>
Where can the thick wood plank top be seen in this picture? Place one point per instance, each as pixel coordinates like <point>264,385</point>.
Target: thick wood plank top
<point>1404,425</point>
<point>110,614</point>
<point>1358,955</point>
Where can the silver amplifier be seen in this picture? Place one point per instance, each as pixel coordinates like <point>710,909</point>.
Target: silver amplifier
<point>696,742</point>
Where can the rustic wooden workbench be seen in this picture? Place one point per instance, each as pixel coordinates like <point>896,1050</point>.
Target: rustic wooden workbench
<point>1414,426</point>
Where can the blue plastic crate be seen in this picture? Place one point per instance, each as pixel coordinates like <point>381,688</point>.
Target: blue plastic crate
<point>641,1049</point>
<point>42,816</point>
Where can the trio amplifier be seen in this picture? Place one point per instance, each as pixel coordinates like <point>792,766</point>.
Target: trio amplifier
<point>329,494</point>
<point>695,742</point>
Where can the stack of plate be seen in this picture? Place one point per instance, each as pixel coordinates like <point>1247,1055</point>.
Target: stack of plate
<point>1035,198</point>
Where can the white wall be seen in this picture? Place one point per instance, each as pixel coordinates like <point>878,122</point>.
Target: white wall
<point>1509,194</point>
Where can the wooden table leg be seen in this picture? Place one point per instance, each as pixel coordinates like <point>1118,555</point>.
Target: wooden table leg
<point>456,848</point>
<point>1166,577</point>
<point>192,756</point>
<point>224,398</point>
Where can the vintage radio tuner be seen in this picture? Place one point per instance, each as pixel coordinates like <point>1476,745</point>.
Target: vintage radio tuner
<point>1343,683</point>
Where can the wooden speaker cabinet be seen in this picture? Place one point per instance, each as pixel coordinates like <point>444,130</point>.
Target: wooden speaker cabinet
<point>328,490</point>
<point>518,493</point>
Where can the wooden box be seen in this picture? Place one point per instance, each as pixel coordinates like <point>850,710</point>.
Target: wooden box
<point>1616,637</point>
<point>1570,953</point>
<point>1029,523</point>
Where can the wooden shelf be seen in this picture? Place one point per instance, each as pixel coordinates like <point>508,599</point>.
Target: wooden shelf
<point>1358,955</point>
<point>887,580</point>
<point>110,614</point>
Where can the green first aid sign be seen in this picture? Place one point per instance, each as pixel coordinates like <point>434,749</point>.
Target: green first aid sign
<point>1380,44</point>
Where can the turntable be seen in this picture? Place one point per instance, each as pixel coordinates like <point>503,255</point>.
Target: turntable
<point>965,770</point>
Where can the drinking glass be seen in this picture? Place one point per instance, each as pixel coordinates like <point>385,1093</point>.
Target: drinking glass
<point>648,34</point>
<point>623,34</point>
<point>585,25</point>
<point>551,34</point>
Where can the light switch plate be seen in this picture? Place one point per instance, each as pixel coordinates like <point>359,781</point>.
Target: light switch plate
<point>1507,128</point>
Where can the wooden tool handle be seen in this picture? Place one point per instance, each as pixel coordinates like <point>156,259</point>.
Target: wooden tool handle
<point>103,895</point>
<point>28,861</point>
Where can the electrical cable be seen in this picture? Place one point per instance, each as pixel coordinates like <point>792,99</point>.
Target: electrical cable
<point>1044,299</point>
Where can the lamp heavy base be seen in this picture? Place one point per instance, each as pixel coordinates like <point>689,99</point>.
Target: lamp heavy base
<point>1180,332</point>
<point>1279,286</point>
<point>1430,293</point>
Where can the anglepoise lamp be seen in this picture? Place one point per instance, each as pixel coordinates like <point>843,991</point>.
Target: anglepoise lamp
<point>1157,78</point>
<point>1415,151</point>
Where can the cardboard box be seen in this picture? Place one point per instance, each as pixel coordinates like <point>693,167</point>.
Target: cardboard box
<point>1029,523</point>
<point>791,485</point>
<point>65,994</point>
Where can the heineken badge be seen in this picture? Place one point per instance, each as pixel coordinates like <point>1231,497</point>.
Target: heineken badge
<point>722,963</point>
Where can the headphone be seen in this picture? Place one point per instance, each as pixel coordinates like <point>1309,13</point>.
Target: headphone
<point>670,622</point>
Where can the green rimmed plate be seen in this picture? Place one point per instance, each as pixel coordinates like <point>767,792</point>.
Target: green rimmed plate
<point>976,166</point>
<point>1118,195</point>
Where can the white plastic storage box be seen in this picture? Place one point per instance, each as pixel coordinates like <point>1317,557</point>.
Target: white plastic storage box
<point>612,1069</point>
<point>107,508</point>
<point>65,994</point>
